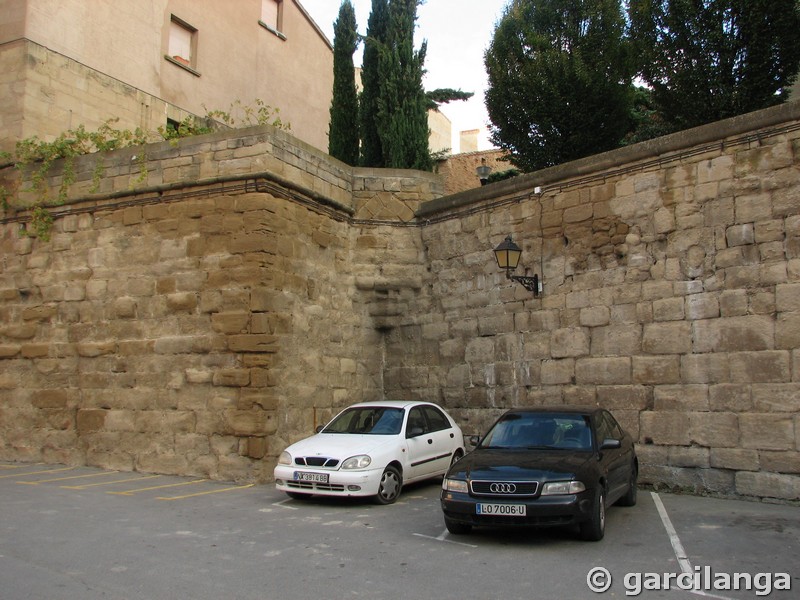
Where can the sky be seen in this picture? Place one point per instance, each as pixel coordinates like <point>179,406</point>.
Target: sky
<point>458,33</point>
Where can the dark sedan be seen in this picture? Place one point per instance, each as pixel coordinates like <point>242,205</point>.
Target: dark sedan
<point>543,467</point>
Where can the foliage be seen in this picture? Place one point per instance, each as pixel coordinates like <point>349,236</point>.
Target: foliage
<point>444,95</point>
<point>402,103</point>
<point>648,122</point>
<point>711,59</point>
<point>559,80</point>
<point>35,157</point>
<point>343,136</point>
<point>377,28</point>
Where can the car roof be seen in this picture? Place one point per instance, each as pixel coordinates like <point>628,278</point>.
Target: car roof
<point>390,403</point>
<point>579,410</point>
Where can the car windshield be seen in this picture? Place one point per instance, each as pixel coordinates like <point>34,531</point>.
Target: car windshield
<point>540,431</point>
<point>367,420</point>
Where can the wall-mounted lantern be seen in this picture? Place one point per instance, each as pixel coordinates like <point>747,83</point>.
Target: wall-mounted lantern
<point>507,255</point>
<point>483,172</point>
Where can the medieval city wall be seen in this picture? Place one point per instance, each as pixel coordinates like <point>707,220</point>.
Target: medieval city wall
<point>671,295</point>
<point>212,300</point>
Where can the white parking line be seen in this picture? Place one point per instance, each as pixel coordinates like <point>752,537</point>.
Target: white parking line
<point>443,538</point>
<point>282,504</point>
<point>677,547</point>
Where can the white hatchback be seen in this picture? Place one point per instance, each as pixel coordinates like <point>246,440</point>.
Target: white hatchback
<point>372,449</point>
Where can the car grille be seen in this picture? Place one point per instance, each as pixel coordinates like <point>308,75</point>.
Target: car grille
<point>312,486</point>
<point>504,489</point>
<point>317,461</point>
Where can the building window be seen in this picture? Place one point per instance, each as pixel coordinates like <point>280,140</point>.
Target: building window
<point>272,16</point>
<point>182,43</point>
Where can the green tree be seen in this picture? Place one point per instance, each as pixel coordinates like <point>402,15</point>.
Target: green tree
<point>343,139</point>
<point>402,102</point>
<point>377,27</point>
<point>559,80</point>
<point>707,60</point>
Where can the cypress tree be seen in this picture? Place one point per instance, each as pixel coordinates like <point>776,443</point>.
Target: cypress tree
<point>343,135</point>
<point>377,26</point>
<point>402,105</point>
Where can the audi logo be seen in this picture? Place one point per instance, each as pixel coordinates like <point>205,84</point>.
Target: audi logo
<point>503,488</point>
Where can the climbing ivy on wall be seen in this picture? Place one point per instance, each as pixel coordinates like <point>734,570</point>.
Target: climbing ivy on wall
<point>34,157</point>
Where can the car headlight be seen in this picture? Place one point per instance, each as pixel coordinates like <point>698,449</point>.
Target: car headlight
<point>361,461</point>
<point>455,485</point>
<point>555,488</point>
<point>285,458</point>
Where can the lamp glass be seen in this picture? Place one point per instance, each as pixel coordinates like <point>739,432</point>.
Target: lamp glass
<point>507,254</point>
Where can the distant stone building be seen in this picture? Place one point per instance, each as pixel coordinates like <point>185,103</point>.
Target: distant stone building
<point>70,63</point>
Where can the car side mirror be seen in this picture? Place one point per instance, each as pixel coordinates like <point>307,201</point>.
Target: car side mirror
<point>610,444</point>
<point>474,440</point>
<point>415,432</point>
<point>319,428</point>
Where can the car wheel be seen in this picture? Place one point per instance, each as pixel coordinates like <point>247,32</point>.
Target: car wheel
<point>629,499</point>
<point>593,529</point>
<point>457,455</point>
<point>298,495</point>
<point>390,486</point>
<point>456,527</point>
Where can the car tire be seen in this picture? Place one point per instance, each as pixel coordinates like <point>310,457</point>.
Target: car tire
<point>594,528</point>
<point>629,499</point>
<point>456,527</point>
<point>457,455</point>
<point>390,486</point>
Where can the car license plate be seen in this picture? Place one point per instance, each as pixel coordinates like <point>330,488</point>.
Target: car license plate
<point>315,477</point>
<point>508,510</point>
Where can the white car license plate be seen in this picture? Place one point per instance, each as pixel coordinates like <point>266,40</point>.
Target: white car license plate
<point>315,477</point>
<point>508,510</point>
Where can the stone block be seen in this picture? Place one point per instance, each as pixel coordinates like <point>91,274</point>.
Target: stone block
<point>680,456</point>
<point>780,462</point>
<point>669,309</point>
<point>616,340</point>
<point>59,398</point>
<point>787,297</point>
<point>760,367</point>
<point>667,338</point>
<point>603,371</point>
<point>734,459</point>
<point>569,342</point>
<point>654,370</point>
<point>768,485</point>
<point>90,420</point>
<point>714,429</point>
<point>555,372</point>
<point>767,431</point>
<point>733,334</point>
<point>776,397</point>
<point>665,428</point>
<point>730,397</point>
<point>705,368</point>
<point>681,397</point>
<point>253,343</point>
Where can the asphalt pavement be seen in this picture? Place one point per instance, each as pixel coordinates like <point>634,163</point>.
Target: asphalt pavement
<point>77,533</point>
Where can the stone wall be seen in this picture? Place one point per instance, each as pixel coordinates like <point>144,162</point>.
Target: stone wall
<point>671,276</point>
<point>199,311</point>
<point>215,299</point>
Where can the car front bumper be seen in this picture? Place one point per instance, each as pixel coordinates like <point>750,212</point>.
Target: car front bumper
<point>543,511</point>
<point>340,483</point>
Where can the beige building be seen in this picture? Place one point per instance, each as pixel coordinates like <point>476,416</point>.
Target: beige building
<point>66,63</point>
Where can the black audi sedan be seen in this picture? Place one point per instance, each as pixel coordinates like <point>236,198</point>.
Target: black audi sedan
<point>541,467</point>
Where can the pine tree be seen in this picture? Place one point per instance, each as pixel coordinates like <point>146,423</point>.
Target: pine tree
<point>402,103</point>
<point>377,26</point>
<point>559,81</point>
<point>343,140</point>
<point>711,59</point>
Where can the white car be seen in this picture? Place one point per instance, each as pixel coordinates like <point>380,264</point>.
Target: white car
<point>372,449</point>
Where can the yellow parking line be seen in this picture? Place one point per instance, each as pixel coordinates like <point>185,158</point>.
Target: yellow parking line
<point>228,489</point>
<point>88,485</point>
<point>157,487</point>
<point>66,478</point>
<point>36,473</point>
